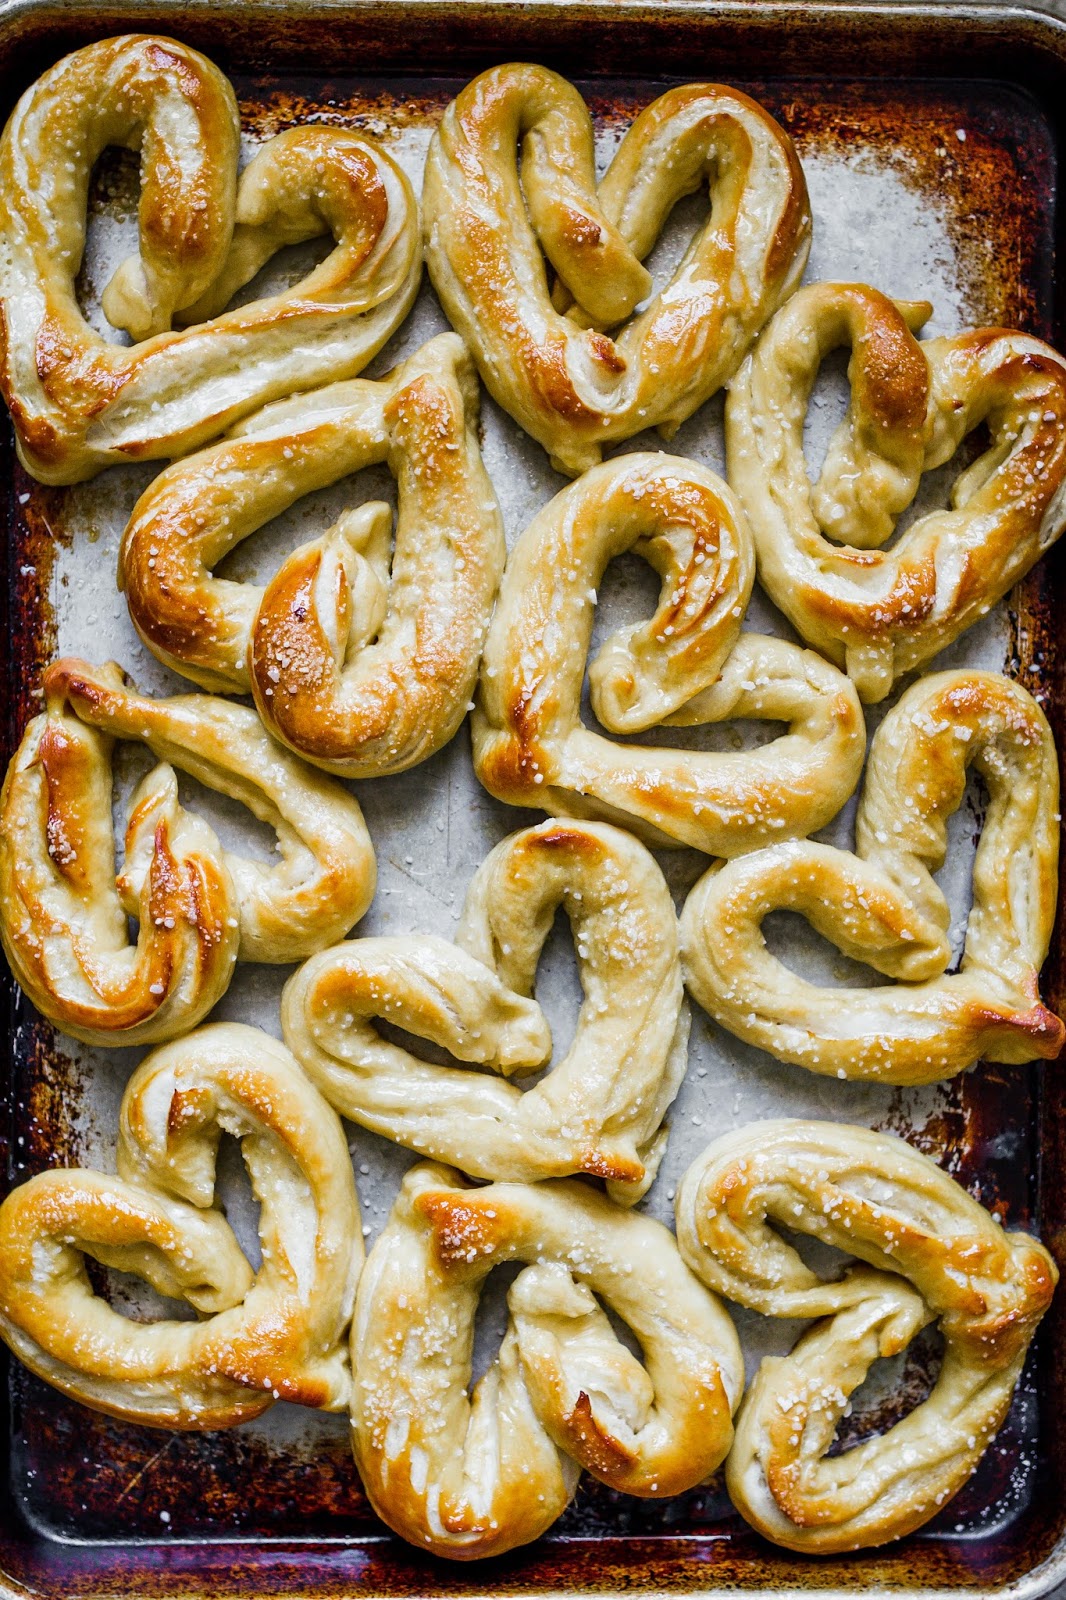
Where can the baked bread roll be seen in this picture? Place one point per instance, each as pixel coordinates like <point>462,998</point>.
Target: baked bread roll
<point>272,1334</point>
<point>511,173</point>
<point>80,403</point>
<point>933,1256</point>
<point>880,613</point>
<point>600,1109</point>
<point>474,1476</point>
<point>199,908</point>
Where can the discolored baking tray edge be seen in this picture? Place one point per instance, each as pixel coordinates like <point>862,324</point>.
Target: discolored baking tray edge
<point>584,38</point>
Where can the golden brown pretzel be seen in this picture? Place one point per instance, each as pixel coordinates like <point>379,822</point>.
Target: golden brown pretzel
<point>79,402</point>
<point>688,665</point>
<point>569,383</point>
<point>474,1476</point>
<point>880,613</point>
<point>882,905</point>
<point>360,670</point>
<point>273,1334</point>
<point>600,1110</point>
<point>939,1257</point>
<point>199,907</point>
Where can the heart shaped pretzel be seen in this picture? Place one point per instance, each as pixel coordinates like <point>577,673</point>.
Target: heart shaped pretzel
<point>568,382</point>
<point>689,665</point>
<point>883,907</point>
<point>600,1109</point>
<point>80,403</point>
<point>938,1257</point>
<point>360,670</point>
<point>276,1333</point>
<point>199,908</point>
<point>881,613</point>
<point>474,1476</point>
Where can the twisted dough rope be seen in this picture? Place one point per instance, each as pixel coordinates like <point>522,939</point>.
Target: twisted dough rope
<point>80,403</point>
<point>882,906</point>
<point>688,665</point>
<point>273,1334</point>
<point>940,1257</point>
<point>568,383</point>
<point>600,1109</point>
<point>199,907</point>
<point>468,1477</point>
<point>880,613</point>
<point>360,672</point>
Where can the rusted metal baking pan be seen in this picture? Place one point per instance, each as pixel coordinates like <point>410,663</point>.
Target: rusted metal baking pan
<point>932,141</point>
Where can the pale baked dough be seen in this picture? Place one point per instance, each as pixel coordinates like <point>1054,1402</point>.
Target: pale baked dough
<point>79,402</point>
<point>880,613</point>
<point>511,172</point>
<point>199,908</point>
<point>688,665</point>
<point>273,1334</point>
<point>469,1476</point>
<point>360,669</point>
<point>881,905</point>
<point>938,1257</point>
<point>600,1109</point>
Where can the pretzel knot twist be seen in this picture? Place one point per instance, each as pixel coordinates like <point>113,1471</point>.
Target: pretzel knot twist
<point>600,1109</point>
<point>276,1333</point>
<point>199,907</point>
<point>882,906</point>
<point>938,1257</point>
<point>881,613</point>
<point>687,666</point>
<point>80,403</point>
<point>361,671</point>
<point>474,1476</point>
<point>556,370</point>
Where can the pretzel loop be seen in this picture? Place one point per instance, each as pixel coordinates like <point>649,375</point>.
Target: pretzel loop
<point>689,665</point>
<point>568,383</point>
<point>80,403</point>
<point>600,1109</point>
<point>937,1255</point>
<point>276,1333</point>
<point>361,670</point>
<point>881,613</point>
<point>199,907</point>
<point>474,1476</point>
<point>882,906</point>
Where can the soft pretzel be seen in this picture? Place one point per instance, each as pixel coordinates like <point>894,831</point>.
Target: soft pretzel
<point>360,672</point>
<point>689,665</point>
<point>600,1110</point>
<point>80,403</point>
<point>939,1257</point>
<point>199,907</point>
<point>567,381</point>
<point>882,905</point>
<point>273,1334</point>
<point>475,1476</point>
<point>881,613</point>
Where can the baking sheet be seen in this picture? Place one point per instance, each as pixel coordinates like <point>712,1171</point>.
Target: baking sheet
<point>902,211</point>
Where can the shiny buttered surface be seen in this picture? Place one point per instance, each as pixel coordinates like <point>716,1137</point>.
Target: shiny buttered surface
<point>468,1475</point>
<point>79,402</point>
<point>362,655</point>
<point>198,907</point>
<point>880,613</point>
<point>937,1257</point>
<point>600,1109</point>
<point>266,1335</point>
<point>362,664</point>
<point>510,180</point>
<point>882,905</point>
<point>689,665</point>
